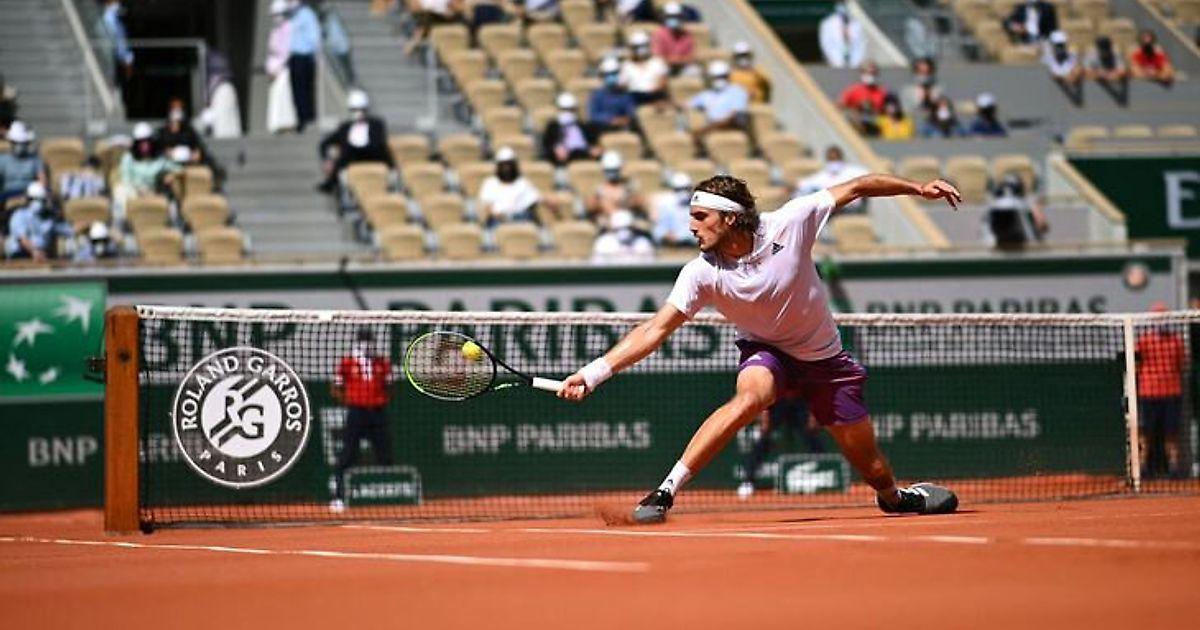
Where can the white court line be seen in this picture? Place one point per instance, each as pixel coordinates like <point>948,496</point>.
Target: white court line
<point>706,534</point>
<point>956,540</point>
<point>481,561</point>
<point>422,530</point>
<point>1112,543</point>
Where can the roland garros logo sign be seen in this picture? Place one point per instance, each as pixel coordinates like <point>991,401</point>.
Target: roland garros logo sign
<point>241,417</point>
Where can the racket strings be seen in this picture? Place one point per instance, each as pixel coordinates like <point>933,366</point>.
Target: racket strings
<point>436,365</point>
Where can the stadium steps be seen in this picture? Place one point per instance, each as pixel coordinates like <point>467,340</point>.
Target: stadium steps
<point>39,57</point>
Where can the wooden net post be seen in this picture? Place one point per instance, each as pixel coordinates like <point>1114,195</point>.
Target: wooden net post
<point>121,420</point>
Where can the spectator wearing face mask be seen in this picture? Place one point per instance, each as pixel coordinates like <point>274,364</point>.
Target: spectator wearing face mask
<point>920,95</point>
<point>281,108</point>
<point>33,229</point>
<point>751,78</point>
<point>893,123</point>
<point>643,74</point>
<point>836,171</point>
<point>507,196</point>
<point>866,91</point>
<point>144,170</point>
<point>626,10</point>
<point>1149,61</point>
<point>611,107</point>
<point>362,138</point>
<point>842,40</point>
<point>1104,66</point>
<point>614,193</point>
<point>178,132</point>
<point>1064,67</point>
<point>622,242</point>
<point>672,213</point>
<point>987,121</point>
<point>302,60</point>
<point>1031,21</point>
<point>94,246</point>
<point>725,105</point>
<point>1013,220</point>
<point>114,28</point>
<point>566,138</point>
<point>672,42</point>
<point>21,165</point>
<point>942,121</point>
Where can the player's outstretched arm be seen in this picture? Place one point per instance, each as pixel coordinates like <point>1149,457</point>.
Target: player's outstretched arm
<point>645,338</point>
<point>880,185</point>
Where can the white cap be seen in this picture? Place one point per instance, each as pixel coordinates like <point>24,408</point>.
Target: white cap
<point>20,132</point>
<point>98,230</point>
<point>985,100</point>
<point>1058,37</point>
<point>610,161</point>
<point>742,48</point>
<point>143,131</point>
<point>673,9</point>
<point>357,99</point>
<point>279,7</point>
<point>35,190</point>
<point>680,180</point>
<point>718,68</point>
<point>566,100</point>
<point>639,38</point>
<point>505,154</point>
<point>180,153</point>
<point>610,65</point>
<point>620,219</point>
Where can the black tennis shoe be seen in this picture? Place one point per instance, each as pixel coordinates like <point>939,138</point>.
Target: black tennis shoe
<point>653,509</point>
<point>922,498</point>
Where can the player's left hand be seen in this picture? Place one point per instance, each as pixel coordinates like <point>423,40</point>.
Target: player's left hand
<point>941,189</point>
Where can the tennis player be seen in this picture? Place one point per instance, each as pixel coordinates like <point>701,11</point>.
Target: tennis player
<point>757,270</point>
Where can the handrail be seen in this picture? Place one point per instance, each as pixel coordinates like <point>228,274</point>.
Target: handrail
<point>886,53</point>
<point>1170,26</point>
<point>89,57</point>
<point>1086,189</point>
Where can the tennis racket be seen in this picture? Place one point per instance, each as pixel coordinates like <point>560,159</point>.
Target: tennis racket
<point>451,366</point>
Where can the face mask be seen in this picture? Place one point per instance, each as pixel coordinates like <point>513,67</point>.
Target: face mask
<point>833,165</point>
<point>359,114</point>
<point>23,149</point>
<point>720,83</point>
<point>868,78</point>
<point>926,80</point>
<point>44,212</point>
<point>673,23</point>
<point>742,61</point>
<point>176,115</point>
<point>612,80</point>
<point>943,114</point>
<point>641,52</point>
<point>683,197</point>
<point>612,176</point>
<point>99,247</point>
<point>566,118</point>
<point>1060,52</point>
<point>506,172</point>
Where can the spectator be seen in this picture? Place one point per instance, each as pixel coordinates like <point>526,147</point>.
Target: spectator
<point>178,132</point>
<point>842,40</point>
<point>221,117</point>
<point>866,91</point>
<point>1149,61</point>
<point>672,43</point>
<point>429,13</point>
<point>1104,66</point>
<point>1161,364</point>
<point>363,382</point>
<point>535,10</point>
<point>923,92</point>
<point>615,193</point>
<point>744,73</point>
<point>942,121</point>
<point>21,165</point>
<point>612,108</point>
<point>8,105</point>
<point>362,138</point>
<point>987,120</point>
<point>302,60</point>
<point>622,242</point>
<point>34,227</point>
<point>672,213</point>
<point>281,108</point>
<point>725,105</point>
<point>566,138</point>
<point>836,171</point>
<point>1031,21</point>
<point>1064,67</point>
<point>1013,219</point>
<point>627,10</point>
<point>506,196</point>
<point>643,74</point>
<point>94,246</point>
<point>88,182</point>
<point>114,27</point>
<point>893,123</point>
<point>143,170</point>
<point>337,42</point>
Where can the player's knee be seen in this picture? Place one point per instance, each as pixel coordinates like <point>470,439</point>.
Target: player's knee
<point>749,404</point>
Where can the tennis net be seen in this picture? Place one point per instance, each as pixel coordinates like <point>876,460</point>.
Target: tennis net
<point>227,416</point>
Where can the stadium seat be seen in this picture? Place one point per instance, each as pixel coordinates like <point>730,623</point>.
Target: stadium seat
<point>1026,55</point>
<point>597,39</point>
<point>756,172</point>
<point>701,32</point>
<point>1003,8</point>
<point>991,36</point>
<point>1018,163</point>
<point>110,154</point>
<point>486,94</point>
<point>540,174</point>
<point>853,234</point>
<point>1176,131</point>
<point>540,117</point>
<point>221,246</point>
<point>460,241</point>
<point>517,241</point>
<point>1186,11</point>
<point>1121,30</point>
<point>646,175</point>
<point>573,239</point>
<point>563,200</point>
<point>460,148</point>
<point>402,242</point>
<point>673,147</point>
<point>626,143</point>
<point>408,148</point>
<point>705,56</point>
<point>781,146</point>
<point>521,144</point>
<point>1094,10</point>
<point>584,176</point>
<point>683,88</point>
<point>161,246</point>
<point>517,65</point>
<point>921,168</point>
<point>698,170</point>
<point>771,198</point>
<point>566,64</point>
<point>146,212</point>
<point>442,209</point>
<point>1082,137</point>
<point>1081,32</point>
<point>365,179</point>
<point>577,13</point>
<point>421,180</point>
<point>797,169</point>
<point>84,211</point>
<point>655,121</point>
<point>762,120</point>
<point>724,147</point>
<point>1133,132</point>
<point>384,210</point>
<point>449,38</point>
<point>628,30</point>
<point>545,38</point>
<point>197,179</point>
<point>503,121</point>
<point>204,212</point>
<point>62,153</point>
<point>471,176</point>
<point>535,93</point>
<point>466,66</point>
<point>498,38</point>
<point>582,87</point>
<point>969,173</point>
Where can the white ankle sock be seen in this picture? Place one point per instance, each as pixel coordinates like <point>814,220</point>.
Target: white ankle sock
<point>674,481</point>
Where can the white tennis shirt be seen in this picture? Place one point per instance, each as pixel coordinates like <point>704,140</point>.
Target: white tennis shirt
<point>773,294</point>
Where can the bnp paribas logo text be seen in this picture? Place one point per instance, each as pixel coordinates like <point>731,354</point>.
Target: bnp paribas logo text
<point>241,417</point>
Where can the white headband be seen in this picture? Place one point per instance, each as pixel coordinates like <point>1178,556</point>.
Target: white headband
<point>716,202</point>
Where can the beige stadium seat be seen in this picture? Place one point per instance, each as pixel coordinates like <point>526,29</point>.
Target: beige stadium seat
<point>545,38</point>
<point>62,153</point>
<point>486,94</point>
<point>1176,131</point>
<point>472,175</point>
<point>597,39</point>
<point>1094,10</point>
<point>422,180</point>
<point>535,93</point>
<point>401,242</point>
<point>541,117</point>
<point>646,175</point>
<point>1020,56</point>
<point>573,239</point>
<point>496,39</point>
<point>701,32</point>
<point>84,211</point>
<point>161,246</point>
<point>517,241</point>
<point>1133,132</point>
<point>5,147</point>
<point>503,121</point>
<point>556,205</point>
<point>797,169</point>
<point>566,64</point>
<point>1083,136</point>
<point>920,168</point>
<point>577,13</point>
<point>974,11</point>
<point>1003,8</point>
<point>683,88</point>
<point>1080,31</point>
<point>698,170</point>
<point>762,119</point>
<point>771,198</point>
<point>991,36</point>
<point>460,148</point>
<point>221,246</point>
<point>366,179</point>
<point>584,176</point>
<point>147,212</point>
<point>110,154</point>
<point>726,146</point>
<point>626,143</point>
<point>655,121</point>
<point>853,234</point>
<point>521,144</point>
<point>1018,163</point>
<point>628,30</point>
<point>1122,30</point>
<point>673,147</point>
<point>1186,11</point>
<point>460,241</point>
<point>196,180</point>
<point>384,210</point>
<point>443,209</point>
<point>757,173</point>
<point>539,173</point>
<point>705,56</point>
<point>969,173</point>
<point>204,212</point>
<point>517,65</point>
<point>408,148</point>
<point>581,88</point>
<point>449,38</point>
<point>781,146</point>
<point>466,66</point>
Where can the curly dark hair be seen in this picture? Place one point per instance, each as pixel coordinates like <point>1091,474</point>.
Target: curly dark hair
<point>736,189</point>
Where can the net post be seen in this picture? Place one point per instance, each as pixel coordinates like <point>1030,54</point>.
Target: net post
<point>121,483</point>
<point>1131,407</point>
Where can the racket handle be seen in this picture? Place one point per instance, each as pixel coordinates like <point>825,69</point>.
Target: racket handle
<point>547,384</point>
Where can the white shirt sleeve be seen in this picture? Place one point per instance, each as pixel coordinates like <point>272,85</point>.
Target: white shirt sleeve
<point>808,213</point>
<point>690,293</point>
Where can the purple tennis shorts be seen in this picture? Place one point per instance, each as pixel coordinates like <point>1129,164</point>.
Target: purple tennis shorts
<point>833,387</point>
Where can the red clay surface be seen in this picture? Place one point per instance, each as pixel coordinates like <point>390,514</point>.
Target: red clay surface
<point>1118,563</point>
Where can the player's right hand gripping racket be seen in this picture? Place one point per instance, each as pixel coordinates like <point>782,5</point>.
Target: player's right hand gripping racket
<point>452,366</point>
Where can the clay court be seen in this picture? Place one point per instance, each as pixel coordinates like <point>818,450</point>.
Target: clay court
<point>1103,563</point>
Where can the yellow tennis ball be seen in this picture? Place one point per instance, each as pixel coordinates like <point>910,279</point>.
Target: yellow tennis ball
<point>472,352</point>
